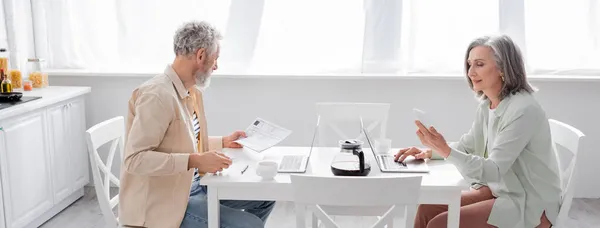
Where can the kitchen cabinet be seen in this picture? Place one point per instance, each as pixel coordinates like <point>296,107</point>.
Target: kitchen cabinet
<point>68,155</point>
<point>2,221</point>
<point>76,138</point>
<point>59,153</point>
<point>43,156</point>
<point>25,168</point>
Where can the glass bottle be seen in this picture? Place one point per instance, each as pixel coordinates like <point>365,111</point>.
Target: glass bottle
<point>6,85</point>
<point>37,76</point>
<point>4,57</point>
<point>16,78</point>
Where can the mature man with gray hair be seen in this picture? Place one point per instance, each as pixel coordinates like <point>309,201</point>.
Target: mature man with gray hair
<point>167,147</point>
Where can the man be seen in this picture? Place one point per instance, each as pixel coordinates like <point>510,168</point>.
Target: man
<point>167,146</point>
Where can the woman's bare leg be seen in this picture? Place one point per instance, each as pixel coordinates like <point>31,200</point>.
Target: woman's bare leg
<point>427,212</point>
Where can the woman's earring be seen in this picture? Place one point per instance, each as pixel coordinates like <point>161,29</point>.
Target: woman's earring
<point>502,76</point>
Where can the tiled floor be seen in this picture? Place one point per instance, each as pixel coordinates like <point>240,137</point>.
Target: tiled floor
<point>85,213</point>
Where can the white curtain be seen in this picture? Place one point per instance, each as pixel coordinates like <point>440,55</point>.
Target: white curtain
<point>3,34</point>
<point>313,36</point>
<point>563,37</point>
<point>18,36</point>
<point>438,32</point>
<point>310,36</point>
<point>119,35</point>
<point>75,34</point>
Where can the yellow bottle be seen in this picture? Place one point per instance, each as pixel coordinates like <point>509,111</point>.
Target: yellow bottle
<point>6,86</point>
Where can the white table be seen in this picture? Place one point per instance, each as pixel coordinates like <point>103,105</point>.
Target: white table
<point>442,185</point>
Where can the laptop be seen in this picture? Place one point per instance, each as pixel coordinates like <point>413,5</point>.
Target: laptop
<point>297,163</point>
<point>387,164</point>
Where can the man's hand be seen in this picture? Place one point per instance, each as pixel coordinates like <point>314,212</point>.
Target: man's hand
<point>228,141</point>
<point>209,162</point>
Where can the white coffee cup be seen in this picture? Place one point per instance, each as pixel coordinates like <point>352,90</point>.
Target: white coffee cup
<point>267,169</point>
<point>383,146</point>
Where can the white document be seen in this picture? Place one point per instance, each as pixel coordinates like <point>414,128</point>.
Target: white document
<point>262,135</point>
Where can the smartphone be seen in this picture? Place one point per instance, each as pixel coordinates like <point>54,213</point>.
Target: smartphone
<point>420,115</point>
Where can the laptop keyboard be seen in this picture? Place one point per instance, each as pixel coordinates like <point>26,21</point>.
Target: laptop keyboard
<point>291,162</point>
<point>389,163</point>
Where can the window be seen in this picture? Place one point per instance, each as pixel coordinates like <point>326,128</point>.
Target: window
<point>562,37</point>
<point>310,36</point>
<point>147,35</point>
<point>130,35</point>
<point>438,37</point>
<point>307,36</point>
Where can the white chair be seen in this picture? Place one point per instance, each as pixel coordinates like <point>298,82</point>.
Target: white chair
<point>340,121</point>
<point>371,196</point>
<point>567,140</point>
<point>112,131</point>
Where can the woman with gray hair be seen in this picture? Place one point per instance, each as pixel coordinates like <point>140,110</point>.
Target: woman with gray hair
<point>507,154</point>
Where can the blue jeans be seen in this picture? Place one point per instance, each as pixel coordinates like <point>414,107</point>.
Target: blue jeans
<point>254,214</point>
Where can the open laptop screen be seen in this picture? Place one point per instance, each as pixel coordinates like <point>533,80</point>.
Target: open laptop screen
<point>364,131</point>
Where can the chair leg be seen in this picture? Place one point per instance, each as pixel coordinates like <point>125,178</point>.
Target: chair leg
<point>409,215</point>
<point>389,224</point>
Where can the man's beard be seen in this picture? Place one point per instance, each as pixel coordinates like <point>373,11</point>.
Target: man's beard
<point>202,80</point>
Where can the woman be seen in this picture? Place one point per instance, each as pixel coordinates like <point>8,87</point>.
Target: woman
<point>507,154</point>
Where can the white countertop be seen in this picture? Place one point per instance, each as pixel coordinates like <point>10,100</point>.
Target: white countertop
<point>50,95</point>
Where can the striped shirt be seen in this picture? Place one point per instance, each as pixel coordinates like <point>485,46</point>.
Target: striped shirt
<point>196,126</point>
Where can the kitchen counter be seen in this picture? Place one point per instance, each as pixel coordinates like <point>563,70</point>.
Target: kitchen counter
<point>50,95</point>
<point>44,161</point>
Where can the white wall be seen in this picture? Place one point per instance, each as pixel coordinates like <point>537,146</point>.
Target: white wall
<point>232,103</point>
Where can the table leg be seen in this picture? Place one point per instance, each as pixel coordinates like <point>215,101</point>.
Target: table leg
<point>454,211</point>
<point>410,211</point>
<point>213,207</point>
<point>301,215</point>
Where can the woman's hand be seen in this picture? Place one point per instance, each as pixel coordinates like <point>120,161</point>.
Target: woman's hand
<point>418,153</point>
<point>432,139</point>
